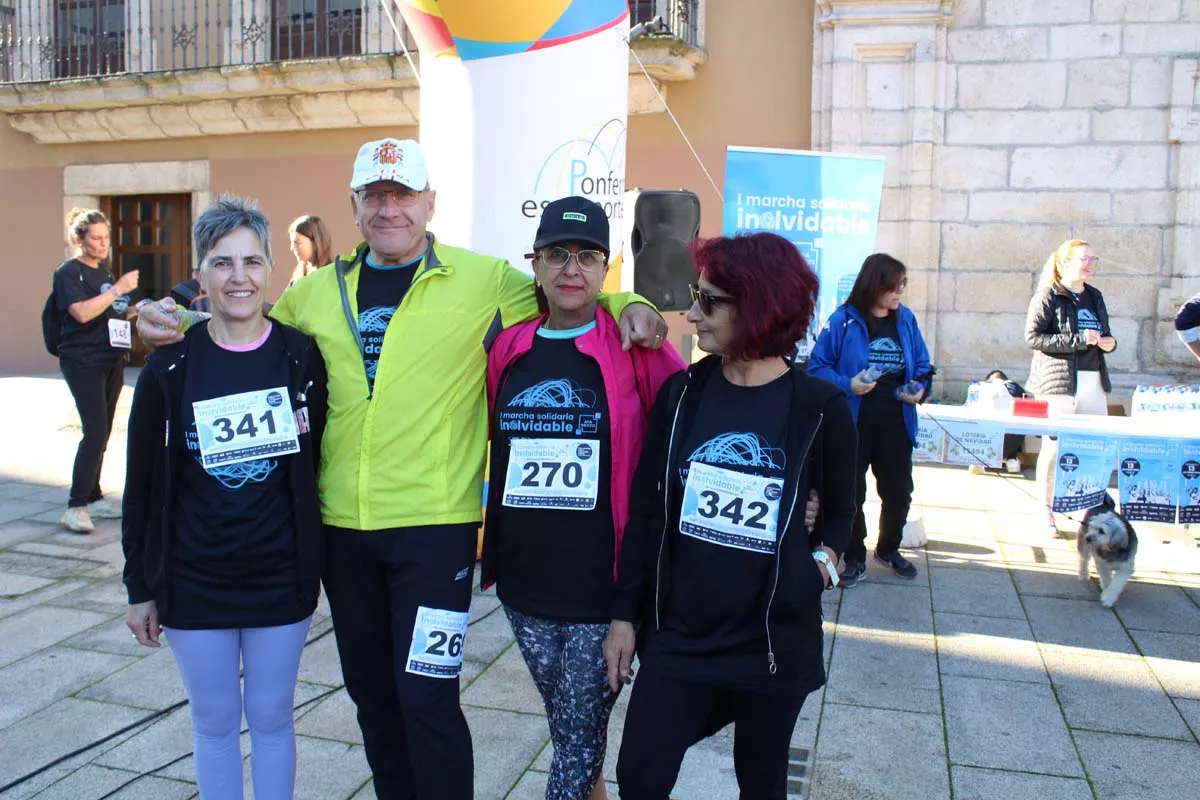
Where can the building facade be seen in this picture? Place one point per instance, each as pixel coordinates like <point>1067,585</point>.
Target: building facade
<point>1008,126</point>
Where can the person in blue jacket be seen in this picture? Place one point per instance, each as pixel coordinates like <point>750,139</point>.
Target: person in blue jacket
<point>872,348</point>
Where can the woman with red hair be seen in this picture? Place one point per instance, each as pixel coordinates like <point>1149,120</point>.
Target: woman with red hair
<point>720,580</point>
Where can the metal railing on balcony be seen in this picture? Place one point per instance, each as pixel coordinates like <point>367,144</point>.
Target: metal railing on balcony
<point>682,17</point>
<point>43,40</point>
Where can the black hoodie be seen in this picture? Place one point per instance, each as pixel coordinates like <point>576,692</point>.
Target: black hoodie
<point>821,450</point>
<point>154,452</point>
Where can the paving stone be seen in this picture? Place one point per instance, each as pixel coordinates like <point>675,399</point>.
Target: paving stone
<point>333,718</point>
<point>897,672</point>
<point>989,593</point>
<point>988,647</point>
<point>989,724</point>
<point>326,770</point>
<point>1112,693</point>
<point>487,638</point>
<point>320,662</point>
<point>1076,623</point>
<point>17,509</point>
<point>707,770</point>
<point>57,730</point>
<point>901,609</point>
<point>111,637</point>
<point>107,531</point>
<point>25,530</point>
<point>11,606</point>
<point>1156,607</point>
<point>1190,711</point>
<point>1134,768</point>
<point>58,565</point>
<point>367,792</point>
<point>854,742</point>
<point>14,585</point>
<point>1047,581</point>
<point>155,788</point>
<point>166,739</point>
<point>506,685</point>
<point>27,632</point>
<point>154,683</point>
<point>484,604</point>
<point>20,490</point>
<point>1175,660</point>
<point>103,596</point>
<point>86,783</point>
<point>25,688</point>
<point>498,768</point>
<point>971,783</point>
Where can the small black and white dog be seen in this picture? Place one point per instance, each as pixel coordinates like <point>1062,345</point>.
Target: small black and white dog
<point>1108,539</point>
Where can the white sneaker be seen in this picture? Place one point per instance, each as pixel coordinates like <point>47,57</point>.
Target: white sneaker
<point>102,509</point>
<point>77,519</point>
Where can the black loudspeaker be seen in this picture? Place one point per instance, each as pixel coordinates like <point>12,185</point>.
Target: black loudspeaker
<point>659,226</point>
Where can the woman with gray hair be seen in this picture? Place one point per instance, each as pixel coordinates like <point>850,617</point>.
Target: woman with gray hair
<point>222,532</point>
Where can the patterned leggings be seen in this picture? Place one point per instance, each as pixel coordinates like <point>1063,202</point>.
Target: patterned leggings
<point>567,663</point>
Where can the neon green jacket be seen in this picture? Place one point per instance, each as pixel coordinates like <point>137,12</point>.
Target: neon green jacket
<point>412,452</point>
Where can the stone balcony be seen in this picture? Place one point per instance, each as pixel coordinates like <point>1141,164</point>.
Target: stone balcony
<point>236,75</point>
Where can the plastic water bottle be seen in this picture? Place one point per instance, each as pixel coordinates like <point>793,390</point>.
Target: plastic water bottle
<point>189,318</point>
<point>911,388</point>
<point>871,374</point>
<point>973,394</point>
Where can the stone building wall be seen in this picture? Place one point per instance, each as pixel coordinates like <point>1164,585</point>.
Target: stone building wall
<point>1009,126</point>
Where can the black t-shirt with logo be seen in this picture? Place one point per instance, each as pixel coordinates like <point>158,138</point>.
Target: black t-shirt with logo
<point>87,342</point>
<point>1087,320</point>
<point>380,292</point>
<point>233,555</point>
<point>557,561</point>
<point>713,620</point>
<point>887,355</point>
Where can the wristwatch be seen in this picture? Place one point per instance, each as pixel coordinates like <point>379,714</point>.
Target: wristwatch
<point>823,557</point>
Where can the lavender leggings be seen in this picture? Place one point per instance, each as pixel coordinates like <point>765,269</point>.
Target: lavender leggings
<point>210,661</point>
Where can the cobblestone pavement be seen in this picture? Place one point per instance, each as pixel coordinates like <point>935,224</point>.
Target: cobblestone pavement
<point>995,674</point>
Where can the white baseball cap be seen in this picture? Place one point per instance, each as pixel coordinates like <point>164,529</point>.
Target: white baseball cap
<point>399,160</point>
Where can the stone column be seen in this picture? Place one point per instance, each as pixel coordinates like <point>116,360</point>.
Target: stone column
<point>879,86</point>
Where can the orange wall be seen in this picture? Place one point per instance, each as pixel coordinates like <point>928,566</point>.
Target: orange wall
<point>754,90</point>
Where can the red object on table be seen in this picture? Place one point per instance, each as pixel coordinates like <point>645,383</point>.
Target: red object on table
<point>1028,407</point>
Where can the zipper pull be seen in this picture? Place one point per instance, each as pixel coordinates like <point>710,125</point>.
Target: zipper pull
<point>771,668</point>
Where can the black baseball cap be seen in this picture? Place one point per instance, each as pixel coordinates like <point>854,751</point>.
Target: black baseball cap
<point>573,219</point>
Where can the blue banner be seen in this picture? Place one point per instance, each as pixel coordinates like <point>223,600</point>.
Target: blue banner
<point>1148,479</point>
<point>1189,496</point>
<point>1084,470</point>
<point>827,204</point>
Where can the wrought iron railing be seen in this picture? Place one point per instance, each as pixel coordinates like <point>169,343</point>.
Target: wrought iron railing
<point>682,17</point>
<point>43,40</point>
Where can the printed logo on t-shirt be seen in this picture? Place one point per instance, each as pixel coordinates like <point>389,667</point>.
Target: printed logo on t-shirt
<point>557,406</point>
<point>372,325</point>
<point>121,304</point>
<point>1088,321</point>
<point>886,355</point>
<point>231,476</point>
<point>738,449</point>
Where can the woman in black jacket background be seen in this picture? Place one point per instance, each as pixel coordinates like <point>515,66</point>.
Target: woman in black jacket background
<point>718,570</point>
<point>1068,330</point>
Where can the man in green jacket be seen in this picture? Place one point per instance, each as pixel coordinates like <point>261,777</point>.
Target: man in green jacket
<point>404,323</point>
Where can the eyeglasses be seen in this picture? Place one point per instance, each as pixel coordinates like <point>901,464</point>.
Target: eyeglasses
<point>559,257</point>
<point>376,198</point>
<point>708,300</point>
<point>1089,260</point>
<point>899,287</point>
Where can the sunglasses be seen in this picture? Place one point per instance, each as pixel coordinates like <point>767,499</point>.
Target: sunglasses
<point>707,300</point>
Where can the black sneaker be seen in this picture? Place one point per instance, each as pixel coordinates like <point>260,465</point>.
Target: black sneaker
<point>852,572</point>
<point>898,564</point>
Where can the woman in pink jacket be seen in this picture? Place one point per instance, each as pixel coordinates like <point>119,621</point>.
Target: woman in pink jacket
<point>568,413</point>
